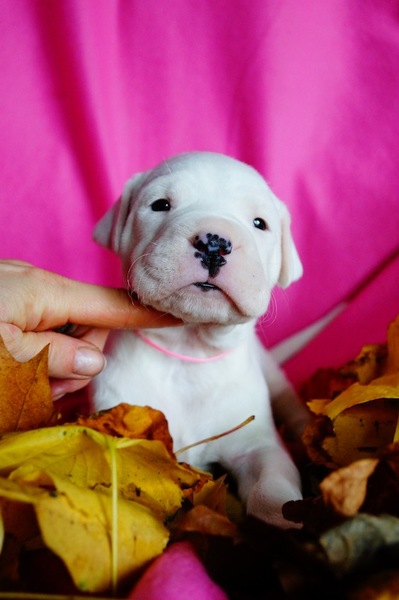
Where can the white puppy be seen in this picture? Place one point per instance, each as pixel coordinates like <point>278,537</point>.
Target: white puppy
<point>202,237</point>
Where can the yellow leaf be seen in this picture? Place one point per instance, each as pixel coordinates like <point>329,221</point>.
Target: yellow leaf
<point>68,472</point>
<point>76,524</point>
<point>363,418</point>
<point>318,407</point>
<point>362,431</point>
<point>147,473</point>
<point>383,387</point>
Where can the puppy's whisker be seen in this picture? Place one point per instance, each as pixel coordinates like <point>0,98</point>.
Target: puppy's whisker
<point>273,308</point>
<point>270,316</point>
<point>139,258</point>
<point>138,283</point>
<point>129,276</point>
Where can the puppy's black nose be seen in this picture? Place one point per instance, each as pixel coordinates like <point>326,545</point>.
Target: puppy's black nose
<point>211,250</point>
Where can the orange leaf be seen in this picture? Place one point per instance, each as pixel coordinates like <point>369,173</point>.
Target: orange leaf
<point>134,422</point>
<point>25,396</point>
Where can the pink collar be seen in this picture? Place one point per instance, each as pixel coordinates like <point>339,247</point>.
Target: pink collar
<point>191,359</point>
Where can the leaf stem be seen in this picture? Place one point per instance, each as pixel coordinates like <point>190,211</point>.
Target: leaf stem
<point>114,521</point>
<point>216,437</point>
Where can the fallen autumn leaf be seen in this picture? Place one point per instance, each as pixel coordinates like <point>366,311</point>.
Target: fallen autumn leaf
<point>25,396</point>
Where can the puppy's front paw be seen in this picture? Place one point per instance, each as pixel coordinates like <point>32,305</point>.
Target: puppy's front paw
<point>267,504</point>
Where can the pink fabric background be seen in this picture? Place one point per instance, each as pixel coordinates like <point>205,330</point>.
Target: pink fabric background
<point>305,91</point>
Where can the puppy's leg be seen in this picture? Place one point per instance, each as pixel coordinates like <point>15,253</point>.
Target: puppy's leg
<point>289,411</point>
<point>286,406</point>
<point>268,479</point>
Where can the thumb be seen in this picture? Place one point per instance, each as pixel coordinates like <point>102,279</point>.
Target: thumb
<point>70,358</point>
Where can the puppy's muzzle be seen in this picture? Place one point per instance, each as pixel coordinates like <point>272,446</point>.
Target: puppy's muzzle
<point>211,250</point>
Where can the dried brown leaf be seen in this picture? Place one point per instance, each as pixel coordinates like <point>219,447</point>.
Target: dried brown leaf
<point>204,520</point>
<point>25,396</point>
<point>369,486</point>
<point>316,432</point>
<point>345,489</point>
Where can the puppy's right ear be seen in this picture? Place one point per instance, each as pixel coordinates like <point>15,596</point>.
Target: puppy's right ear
<point>109,230</point>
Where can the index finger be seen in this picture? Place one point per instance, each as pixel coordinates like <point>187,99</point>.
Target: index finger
<point>112,308</point>
<point>37,300</point>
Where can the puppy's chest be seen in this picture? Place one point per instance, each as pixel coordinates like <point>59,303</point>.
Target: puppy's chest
<point>139,374</point>
<point>199,400</point>
<point>149,376</point>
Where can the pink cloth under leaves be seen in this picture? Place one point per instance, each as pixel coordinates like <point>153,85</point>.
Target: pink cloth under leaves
<point>307,91</point>
<point>178,574</point>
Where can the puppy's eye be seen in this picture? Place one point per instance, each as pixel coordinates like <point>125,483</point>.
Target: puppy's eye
<point>260,224</point>
<point>160,205</point>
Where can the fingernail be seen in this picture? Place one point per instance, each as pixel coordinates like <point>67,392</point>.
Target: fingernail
<point>88,362</point>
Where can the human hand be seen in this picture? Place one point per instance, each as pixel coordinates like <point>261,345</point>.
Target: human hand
<point>34,303</point>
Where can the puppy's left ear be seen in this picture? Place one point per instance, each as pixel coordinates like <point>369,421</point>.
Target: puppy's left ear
<point>109,230</point>
<point>291,266</point>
